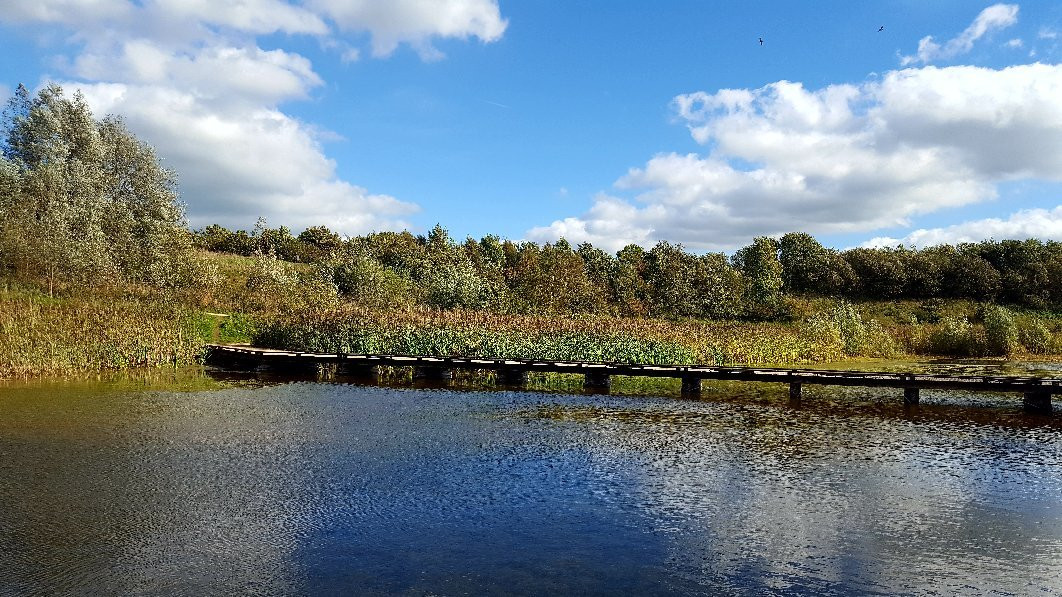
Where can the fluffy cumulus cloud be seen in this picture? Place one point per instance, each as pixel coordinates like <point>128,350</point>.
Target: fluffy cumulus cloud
<point>65,11</point>
<point>843,158</point>
<point>995,17</point>
<point>1029,223</point>
<point>257,162</point>
<point>190,78</point>
<point>416,22</point>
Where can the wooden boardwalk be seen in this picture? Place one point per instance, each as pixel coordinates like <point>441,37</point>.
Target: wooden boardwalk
<point>1036,391</point>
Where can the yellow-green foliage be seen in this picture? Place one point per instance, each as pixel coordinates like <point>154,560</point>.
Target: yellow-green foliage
<point>41,336</point>
<point>260,284</point>
<point>587,338</point>
<point>842,330</point>
<point>957,336</point>
<point>932,327</point>
<point>1035,337</point>
<point>1001,335</point>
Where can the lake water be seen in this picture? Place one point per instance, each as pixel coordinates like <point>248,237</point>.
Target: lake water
<point>212,486</point>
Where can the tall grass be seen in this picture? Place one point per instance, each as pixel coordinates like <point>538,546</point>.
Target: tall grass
<point>42,336</point>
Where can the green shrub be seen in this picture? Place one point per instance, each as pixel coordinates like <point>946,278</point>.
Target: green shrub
<point>956,336</point>
<point>842,329</point>
<point>1001,335</point>
<point>1035,337</point>
<point>823,332</point>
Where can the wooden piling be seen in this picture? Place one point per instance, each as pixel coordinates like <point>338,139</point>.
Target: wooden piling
<point>795,392</point>
<point>1037,402</point>
<point>691,386</point>
<point>597,381</point>
<point>361,371</point>
<point>910,396</point>
<point>433,373</point>
<point>512,377</point>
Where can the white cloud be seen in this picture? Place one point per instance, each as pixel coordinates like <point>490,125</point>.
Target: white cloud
<point>190,78</point>
<point>843,158</point>
<point>235,167</point>
<point>1029,223</point>
<point>1015,43</point>
<point>415,21</point>
<point>610,224</point>
<point>65,11</point>
<point>222,74</point>
<point>250,16</point>
<point>350,55</point>
<point>997,16</point>
<point>163,20</point>
<point>1046,33</point>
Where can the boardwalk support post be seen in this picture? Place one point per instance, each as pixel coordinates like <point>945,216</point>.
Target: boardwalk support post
<point>691,386</point>
<point>1037,402</point>
<point>362,371</point>
<point>910,396</point>
<point>795,391</point>
<point>597,381</point>
<point>291,365</point>
<point>231,360</point>
<point>512,377</point>
<point>433,373</point>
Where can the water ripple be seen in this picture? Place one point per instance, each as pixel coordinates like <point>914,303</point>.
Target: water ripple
<point>330,488</point>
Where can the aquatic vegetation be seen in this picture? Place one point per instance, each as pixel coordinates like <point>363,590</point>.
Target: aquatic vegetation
<point>836,330</point>
<point>586,338</point>
<point>42,336</point>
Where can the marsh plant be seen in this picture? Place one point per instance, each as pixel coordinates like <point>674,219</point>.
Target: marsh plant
<point>40,335</point>
<point>586,338</point>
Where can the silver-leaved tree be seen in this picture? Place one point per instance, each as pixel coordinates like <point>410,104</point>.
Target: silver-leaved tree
<point>83,201</point>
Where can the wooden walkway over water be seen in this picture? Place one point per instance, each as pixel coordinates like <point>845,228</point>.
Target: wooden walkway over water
<point>1036,392</point>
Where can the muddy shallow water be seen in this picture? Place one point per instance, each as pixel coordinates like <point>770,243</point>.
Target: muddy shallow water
<point>294,487</point>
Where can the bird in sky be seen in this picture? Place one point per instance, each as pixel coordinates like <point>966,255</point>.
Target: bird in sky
<point>761,41</point>
<point>880,29</point>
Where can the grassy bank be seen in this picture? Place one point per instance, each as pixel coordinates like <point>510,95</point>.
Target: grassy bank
<point>58,337</point>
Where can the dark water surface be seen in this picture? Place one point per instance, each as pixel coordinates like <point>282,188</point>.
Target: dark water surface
<point>331,488</point>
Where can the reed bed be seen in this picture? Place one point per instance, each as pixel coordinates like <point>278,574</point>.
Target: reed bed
<point>40,336</point>
<point>585,338</point>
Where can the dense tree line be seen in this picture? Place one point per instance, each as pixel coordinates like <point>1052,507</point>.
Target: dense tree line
<point>83,200</point>
<point>391,268</point>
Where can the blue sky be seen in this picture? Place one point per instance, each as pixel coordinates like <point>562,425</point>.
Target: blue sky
<point>612,122</point>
